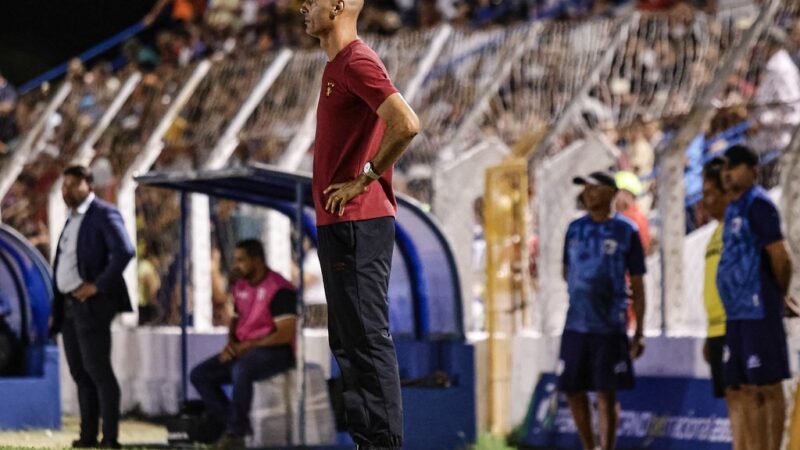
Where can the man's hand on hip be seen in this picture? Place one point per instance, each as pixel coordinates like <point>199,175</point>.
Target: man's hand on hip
<point>85,292</point>
<point>340,194</point>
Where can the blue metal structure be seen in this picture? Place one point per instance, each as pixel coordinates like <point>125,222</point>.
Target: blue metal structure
<point>424,297</point>
<point>26,294</point>
<point>424,294</point>
<point>26,290</point>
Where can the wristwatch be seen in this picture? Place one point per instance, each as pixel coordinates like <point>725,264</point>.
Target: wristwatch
<point>369,172</point>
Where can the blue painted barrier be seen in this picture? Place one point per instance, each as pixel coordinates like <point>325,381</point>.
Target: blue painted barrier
<point>660,414</point>
<point>33,401</point>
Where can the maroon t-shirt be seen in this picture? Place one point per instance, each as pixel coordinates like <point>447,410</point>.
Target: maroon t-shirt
<point>349,133</point>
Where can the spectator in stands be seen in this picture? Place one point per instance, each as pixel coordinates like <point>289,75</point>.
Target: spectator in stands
<point>600,249</point>
<point>260,342</point>
<point>753,277</point>
<point>724,120</point>
<point>630,188</point>
<point>715,200</point>
<point>776,105</point>
<point>224,16</point>
<point>183,11</point>
<point>15,206</point>
<point>169,48</point>
<point>429,14</point>
<point>149,283</point>
<point>794,45</point>
<point>641,155</point>
<point>143,57</point>
<point>379,21</point>
<point>8,104</point>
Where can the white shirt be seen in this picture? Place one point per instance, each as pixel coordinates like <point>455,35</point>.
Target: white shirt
<point>777,102</point>
<point>67,277</point>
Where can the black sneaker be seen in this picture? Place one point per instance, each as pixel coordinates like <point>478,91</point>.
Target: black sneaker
<point>81,443</point>
<point>109,444</point>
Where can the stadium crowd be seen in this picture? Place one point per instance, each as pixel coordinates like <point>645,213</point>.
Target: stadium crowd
<point>236,34</point>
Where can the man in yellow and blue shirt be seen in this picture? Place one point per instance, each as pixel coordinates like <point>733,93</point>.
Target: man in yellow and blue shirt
<point>753,278</point>
<point>715,201</point>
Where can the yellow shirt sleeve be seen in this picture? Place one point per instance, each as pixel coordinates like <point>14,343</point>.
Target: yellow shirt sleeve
<point>713,303</point>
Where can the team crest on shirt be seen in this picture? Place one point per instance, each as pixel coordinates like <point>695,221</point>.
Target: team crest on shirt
<point>736,225</point>
<point>261,294</point>
<point>610,246</point>
<point>329,88</point>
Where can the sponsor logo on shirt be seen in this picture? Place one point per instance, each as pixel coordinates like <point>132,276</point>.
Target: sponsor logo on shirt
<point>610,246</point>
<point>261,295</point>
<point>736,225</point>
<point>753,362</point>
<point>329,88</point>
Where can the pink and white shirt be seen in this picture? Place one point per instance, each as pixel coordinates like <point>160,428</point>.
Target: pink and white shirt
<point>259,306</point>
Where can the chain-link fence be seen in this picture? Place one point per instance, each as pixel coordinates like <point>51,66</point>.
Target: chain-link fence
<point>216,101</point>
<point>282,112</point>
<point>465,69</point>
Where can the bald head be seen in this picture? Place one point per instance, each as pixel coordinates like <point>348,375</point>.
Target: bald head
<point>324,18</point>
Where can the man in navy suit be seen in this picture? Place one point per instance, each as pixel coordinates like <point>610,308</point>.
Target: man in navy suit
<point>93,250</point>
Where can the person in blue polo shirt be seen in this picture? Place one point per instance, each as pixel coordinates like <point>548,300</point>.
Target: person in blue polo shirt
<point>600,249</point>
<point>753,278</point>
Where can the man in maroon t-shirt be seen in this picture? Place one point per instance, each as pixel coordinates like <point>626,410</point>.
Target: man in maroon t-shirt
<point>363,126</point>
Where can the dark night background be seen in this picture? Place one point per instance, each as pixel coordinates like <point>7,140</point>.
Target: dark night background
<point>37,35</point>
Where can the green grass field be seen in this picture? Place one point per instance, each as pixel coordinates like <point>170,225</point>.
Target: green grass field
<point>131,432</point>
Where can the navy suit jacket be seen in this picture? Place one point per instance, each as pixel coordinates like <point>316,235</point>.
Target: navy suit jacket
<point>104,251</point>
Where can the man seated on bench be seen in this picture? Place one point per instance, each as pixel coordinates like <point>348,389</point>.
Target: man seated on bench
<point>260,342</point>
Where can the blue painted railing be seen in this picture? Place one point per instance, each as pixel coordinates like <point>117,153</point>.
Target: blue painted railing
<point>92,53</point>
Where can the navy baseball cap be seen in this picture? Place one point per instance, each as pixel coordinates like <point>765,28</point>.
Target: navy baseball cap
<point>596,179</point>
<point>740,154</point>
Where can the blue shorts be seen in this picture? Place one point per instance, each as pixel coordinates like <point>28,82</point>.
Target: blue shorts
<point>755,352</point>
<point>594,362</point>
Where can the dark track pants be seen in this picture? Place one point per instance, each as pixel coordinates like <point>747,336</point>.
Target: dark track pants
<point>356,261</point>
